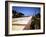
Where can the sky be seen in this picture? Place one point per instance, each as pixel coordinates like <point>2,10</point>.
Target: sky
<point>27,11</point>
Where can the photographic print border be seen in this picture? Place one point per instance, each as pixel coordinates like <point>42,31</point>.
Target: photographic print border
<point>6,18</point>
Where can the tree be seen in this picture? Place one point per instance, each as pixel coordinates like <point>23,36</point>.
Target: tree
<point>36,21</point>
<point>17,14</point>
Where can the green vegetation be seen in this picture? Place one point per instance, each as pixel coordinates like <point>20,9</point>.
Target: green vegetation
<point>17,14</point>
<point>36,21</point>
